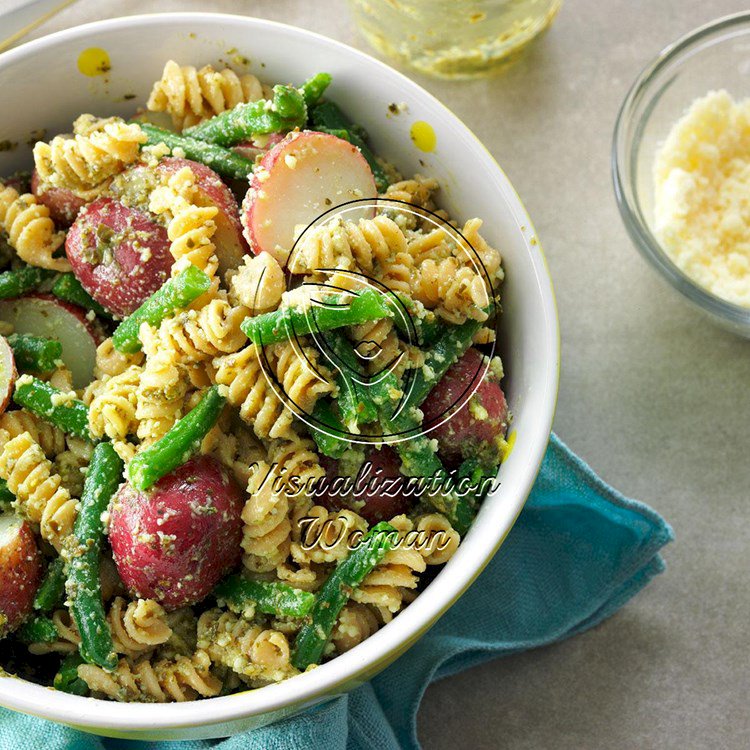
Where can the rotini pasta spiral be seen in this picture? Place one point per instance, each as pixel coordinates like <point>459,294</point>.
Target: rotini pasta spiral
<point>38,489</point>
<point>259,655</point>
<point>260,407</point>
<point>137,626</point>
<point>248,389</point>
<point>441,539</point>
<point>190,96</point>
<point>257,284</point>
<point>165,680</point>
<point>50,439</point>
<point>72,463</point>
<point>111,362</point>
<point>160,394</point>
<point>196,335</point>
<point>191,226</point>
<point>387,585</point>
<point>267,529</point>
<point>488,255</point>
<point>98,150</point>
<point>396,272</point>
<point>454,291</point>
<point>113,410</point>
<point>30,230</point>
<point>340,244</point>
<point>356,623</point>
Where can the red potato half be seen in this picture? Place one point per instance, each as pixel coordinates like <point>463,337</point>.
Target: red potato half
<point>45,315</point>
<point>119,254</point>
<point>174,542</point>
<point>472,427</point>
<point>379,487</point>
<point>64,205</point>
<point>230,244</point>
<point>20,572</point>
<point>8,373</point>
<point>298,180</point>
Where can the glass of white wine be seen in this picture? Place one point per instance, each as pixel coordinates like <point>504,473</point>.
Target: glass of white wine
<point>452,38</point>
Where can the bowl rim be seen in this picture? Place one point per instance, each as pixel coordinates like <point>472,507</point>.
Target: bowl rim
<point>321,683</point>
<point>623,158</point>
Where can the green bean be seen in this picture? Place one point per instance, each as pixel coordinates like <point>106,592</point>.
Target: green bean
<point>83,585</point>
<point>284,324</point>
<point>446,350</point>
<point>312,89</point>
<point>286,111</point>
<point>38,629</point>
<point>176,447</point>
<point>69,414</point>
<point>18,281</point>
<point>268,597</point>
<point>354,399</point>
<point>381,179</point>
<point>6,496</point>
<point>329,443</point>
<point>69,289</point>
<point>52,588</point>
<point>427,325</point>
<point>329,115</point>
<point>34,353</point>
<point>334,593</point>
<point>176,293</point>
<point>225,162</point>
<point>67,678</point>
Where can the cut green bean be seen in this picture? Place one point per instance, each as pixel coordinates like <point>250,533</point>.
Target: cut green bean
<point>6,496</point>
<point>312,89</point>
<point>52,589</point>
<point>268,597</point>
<point>281,325</point>
<point>330,443</point>
<point>83,586</point>
<point>176,293</point>
<point>334,593</point>
<point>176,447</point>
<point>18,281</point>
<point>354,399</point>
<point>69,289</point>
<point>38,629</point>
<point>225,162</point>
<point>67,678</point>
<point>60,409</point>
<point>284,112</point>
<point>34,353</point>
<point>329,115</point>
<point>381,179</point>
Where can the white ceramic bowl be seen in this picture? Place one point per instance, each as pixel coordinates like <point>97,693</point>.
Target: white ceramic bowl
<point>42,88</point>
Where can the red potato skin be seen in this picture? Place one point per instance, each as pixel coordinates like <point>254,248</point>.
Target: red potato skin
<point>251,150</point>
<point>230,242</point>
<point>176,541</point>
<point>374,499</point>
<point>139,261</point>
<point>64,205</point>
<point>476,428</point>
<point>20,576</point>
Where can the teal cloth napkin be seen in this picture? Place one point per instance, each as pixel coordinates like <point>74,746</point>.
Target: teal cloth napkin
<point>577,553</point>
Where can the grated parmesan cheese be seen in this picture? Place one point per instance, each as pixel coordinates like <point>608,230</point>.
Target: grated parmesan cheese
<point>702,195</point>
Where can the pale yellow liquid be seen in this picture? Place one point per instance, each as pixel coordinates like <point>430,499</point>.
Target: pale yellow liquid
<point>452,38</point>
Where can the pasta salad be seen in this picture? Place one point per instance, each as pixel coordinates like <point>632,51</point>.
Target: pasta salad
<point>249,397</point>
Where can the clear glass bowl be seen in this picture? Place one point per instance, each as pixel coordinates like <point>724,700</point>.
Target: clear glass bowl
<point>714,56</point>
